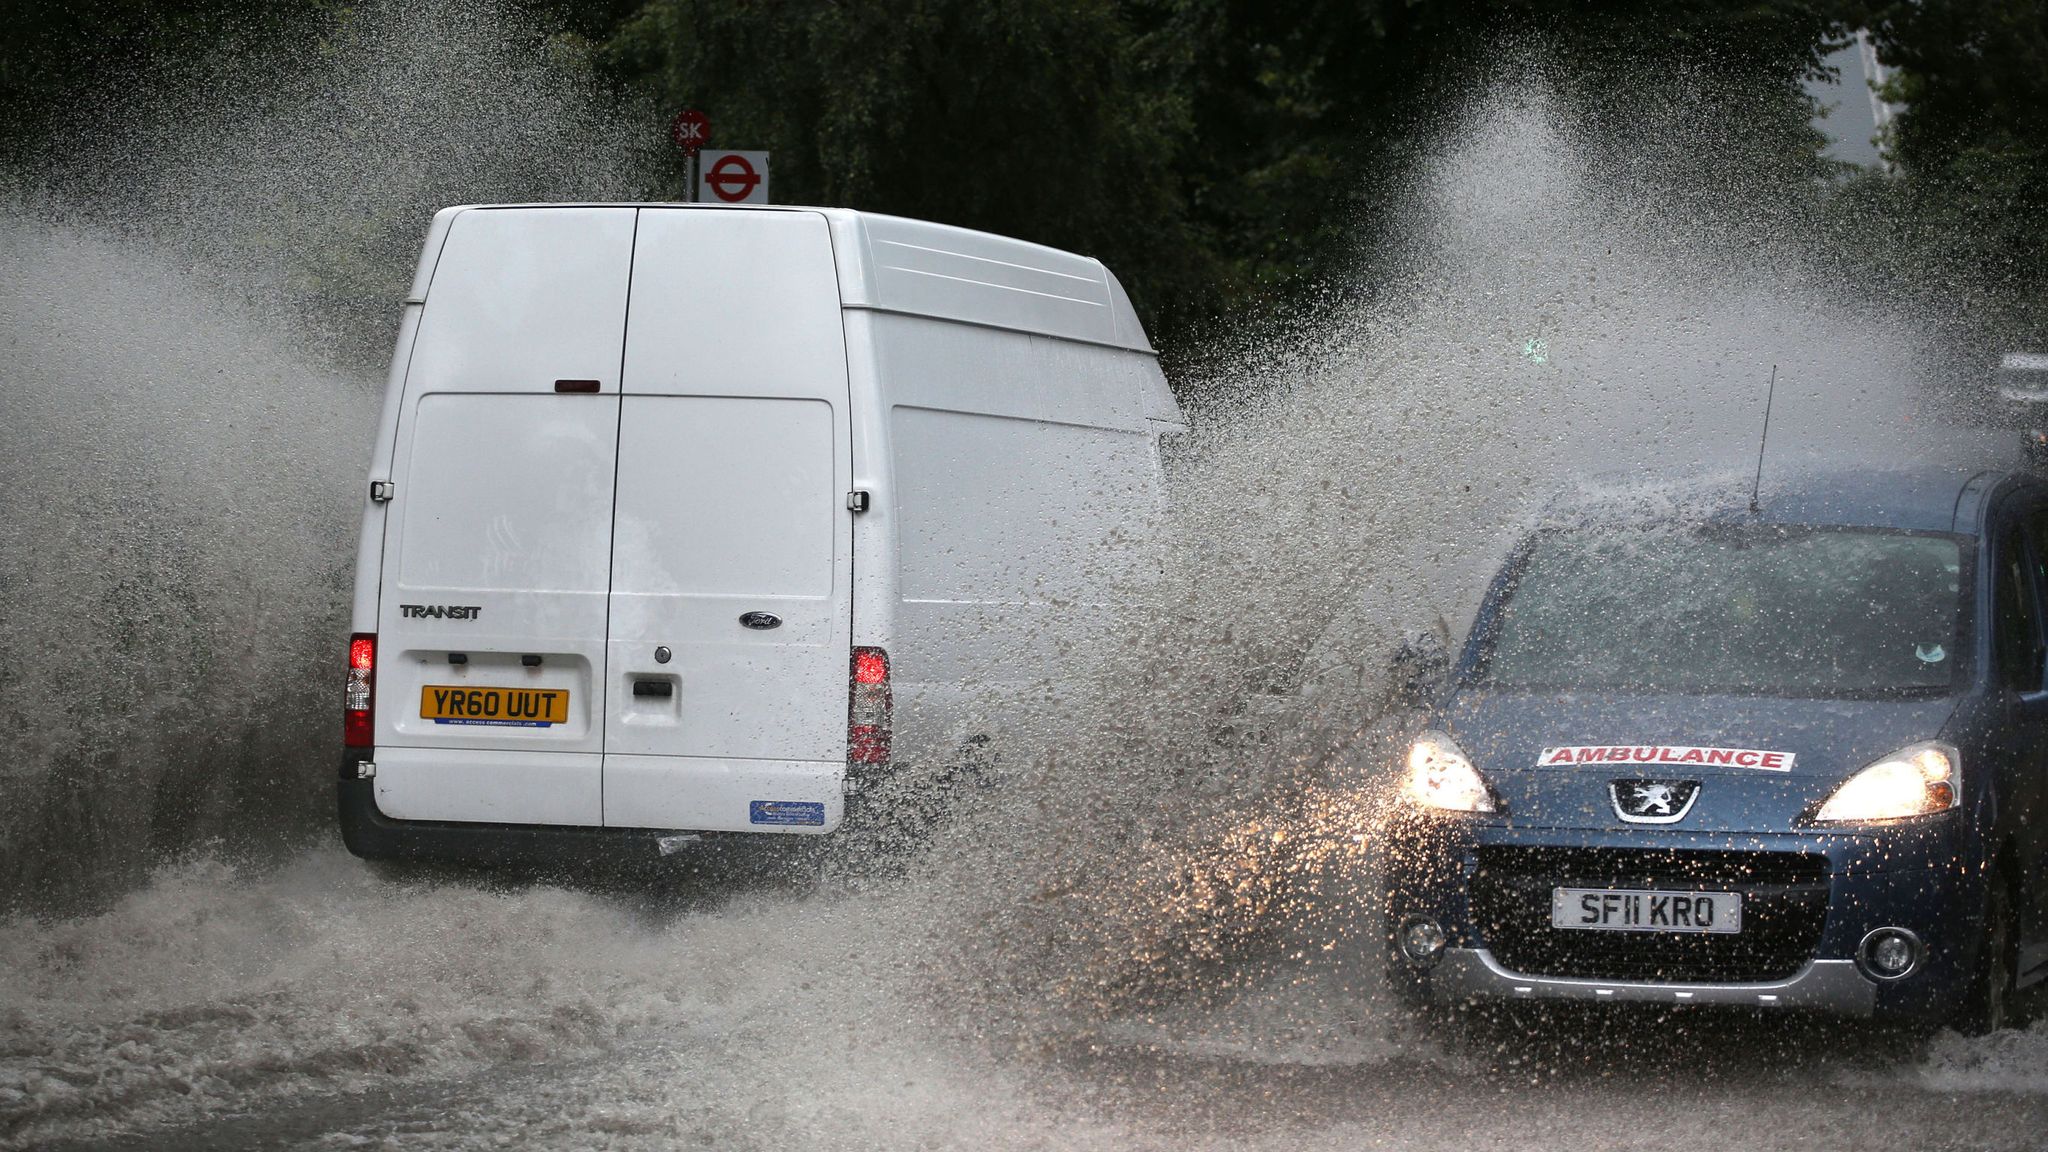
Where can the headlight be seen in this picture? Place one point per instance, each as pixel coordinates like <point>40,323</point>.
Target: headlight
<point>1439,776</point>
<point>1918,780</point>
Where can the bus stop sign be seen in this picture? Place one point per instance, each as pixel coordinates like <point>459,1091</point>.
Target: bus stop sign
<point>733,178</point>
<point>690,130</point>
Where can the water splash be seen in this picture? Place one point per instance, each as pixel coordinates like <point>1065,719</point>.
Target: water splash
<point>1181,872</point>
<point>171,564</point>
<point>303,180</point>
<point>1360,478</point>
<point>193,306</point>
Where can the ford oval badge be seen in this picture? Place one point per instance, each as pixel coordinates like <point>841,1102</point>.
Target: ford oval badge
<point>761,620</point>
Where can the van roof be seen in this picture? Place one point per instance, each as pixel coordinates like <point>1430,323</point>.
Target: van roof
<point>917,268</point>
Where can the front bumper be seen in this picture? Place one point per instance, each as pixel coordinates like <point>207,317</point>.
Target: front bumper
<point>1915,877</point>
<point>1832,986</point>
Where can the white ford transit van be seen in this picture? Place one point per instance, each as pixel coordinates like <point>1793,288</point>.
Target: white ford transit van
<point>693,519</point>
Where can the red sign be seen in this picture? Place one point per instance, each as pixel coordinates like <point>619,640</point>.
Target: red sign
<point>690,130</point>
<point>1668,755</point>
<point>732,179</point>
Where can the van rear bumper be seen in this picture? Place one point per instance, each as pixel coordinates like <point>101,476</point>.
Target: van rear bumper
<point>372,835</point>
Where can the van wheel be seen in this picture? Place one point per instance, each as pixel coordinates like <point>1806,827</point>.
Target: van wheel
<point>1987,1006</point>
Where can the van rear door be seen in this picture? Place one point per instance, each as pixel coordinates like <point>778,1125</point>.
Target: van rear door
<point>491,619</point>
<point>731,572</point>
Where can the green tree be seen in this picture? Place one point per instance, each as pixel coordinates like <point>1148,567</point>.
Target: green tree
<point>1040,120</point>
<point>1220,154</point>
<point>1310,112</point>
<point>1227,157</point>
<point>1972,143</point>
<point>59,51</point>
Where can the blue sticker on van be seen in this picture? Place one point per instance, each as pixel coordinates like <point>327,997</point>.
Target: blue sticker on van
<point>787,813</point>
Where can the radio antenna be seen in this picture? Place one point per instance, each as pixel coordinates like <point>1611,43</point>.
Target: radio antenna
<point>1758,487</point>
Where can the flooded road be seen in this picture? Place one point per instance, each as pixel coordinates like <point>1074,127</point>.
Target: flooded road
<point>320,1007</point>
<point>1151,939</point>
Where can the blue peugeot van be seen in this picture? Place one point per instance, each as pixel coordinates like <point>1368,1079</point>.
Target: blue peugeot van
<point>1789,755</point>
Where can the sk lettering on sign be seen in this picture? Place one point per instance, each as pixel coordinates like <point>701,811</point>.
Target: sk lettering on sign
<point>690,131</point>
<point>732,177</point>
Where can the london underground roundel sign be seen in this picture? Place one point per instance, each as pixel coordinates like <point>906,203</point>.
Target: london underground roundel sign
<point>734,178</point>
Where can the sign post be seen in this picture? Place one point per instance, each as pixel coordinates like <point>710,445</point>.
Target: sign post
<point>733,177</point>
<point>690,131</point>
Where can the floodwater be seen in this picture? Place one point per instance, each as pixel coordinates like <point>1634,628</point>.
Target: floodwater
<point>1148,934</point>
<point>320,1007</point>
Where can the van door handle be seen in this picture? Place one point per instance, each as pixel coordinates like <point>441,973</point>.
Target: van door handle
<point>662,688</point>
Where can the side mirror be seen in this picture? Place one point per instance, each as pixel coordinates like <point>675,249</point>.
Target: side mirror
<point>1419,671</point>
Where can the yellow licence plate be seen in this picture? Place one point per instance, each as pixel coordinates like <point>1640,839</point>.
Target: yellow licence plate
<point>509,707</point>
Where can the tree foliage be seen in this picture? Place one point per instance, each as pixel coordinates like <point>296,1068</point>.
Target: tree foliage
<point>1226,157</point>
<point>1972,143</point>
<point>1045,120</point>
<point>58,51</point>
<point>1218,153</point>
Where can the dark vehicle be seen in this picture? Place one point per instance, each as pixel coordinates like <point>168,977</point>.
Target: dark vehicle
<point>1788,758</point>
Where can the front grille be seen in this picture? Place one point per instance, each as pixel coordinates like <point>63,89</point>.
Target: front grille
<point>1784,904</point>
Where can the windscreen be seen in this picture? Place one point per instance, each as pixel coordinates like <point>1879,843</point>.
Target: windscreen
<point>1751,609</point>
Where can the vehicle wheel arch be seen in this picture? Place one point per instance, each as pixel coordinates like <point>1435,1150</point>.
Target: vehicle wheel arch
<point>1976,1014</point>
<point>2008,869</point>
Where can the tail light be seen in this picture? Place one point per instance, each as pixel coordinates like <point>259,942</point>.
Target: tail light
<point>868,709</point>
<point>360,697</point>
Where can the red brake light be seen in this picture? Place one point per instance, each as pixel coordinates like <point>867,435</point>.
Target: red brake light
<point>869,708</point>
<point>359,697</point>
